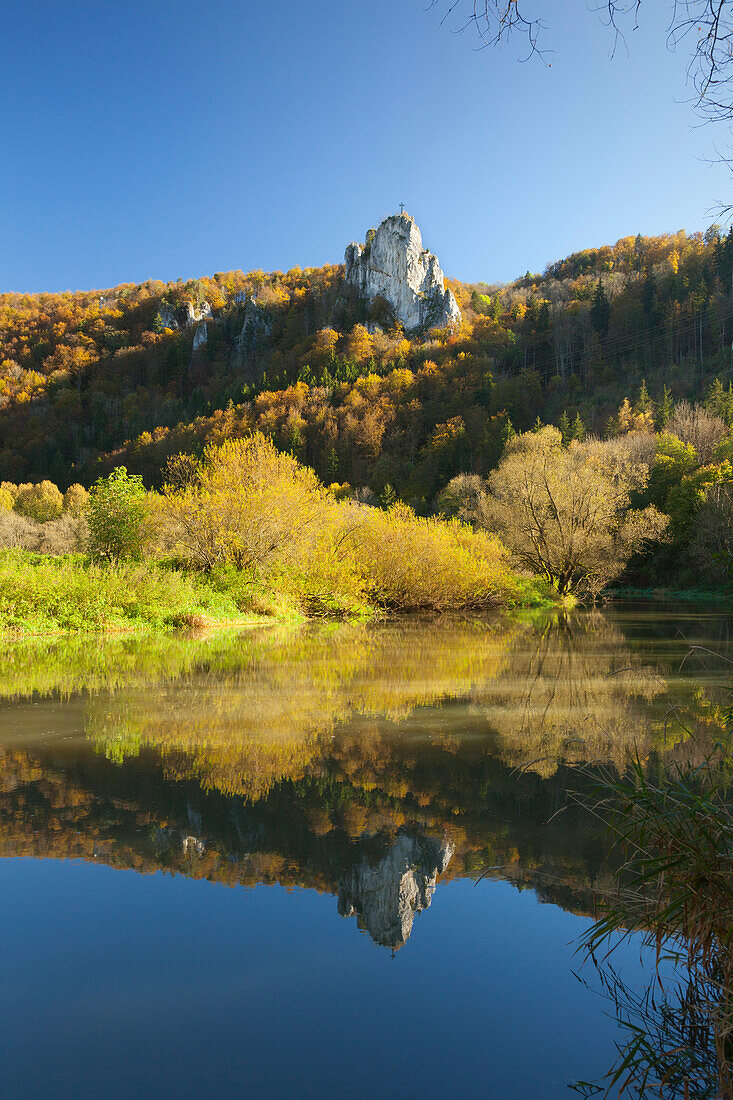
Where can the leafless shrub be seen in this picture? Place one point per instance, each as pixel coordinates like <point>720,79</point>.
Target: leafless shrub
<point>465,498</point>
<point>694,424</point>
<point>66,535</point>
<point>17,532</point>
<point>638,447</point>
<point>364,495</point>
<point>712,546</point>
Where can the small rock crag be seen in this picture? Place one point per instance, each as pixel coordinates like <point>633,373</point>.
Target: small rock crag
<point>200,335</point>
<point>394,265</point>
<point>197,313</point>
<point>190,314</point>
<point>256,327</point>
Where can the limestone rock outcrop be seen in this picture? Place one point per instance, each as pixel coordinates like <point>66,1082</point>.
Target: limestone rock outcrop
<point>190,315</point>
<point>200,336</point>
<point>394,265</point>
<point>386,896</point>
<point>197,313</point>
<point>256,328</point>
<point>167,317</point>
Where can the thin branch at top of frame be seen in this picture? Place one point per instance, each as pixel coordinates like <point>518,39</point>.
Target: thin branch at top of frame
<point>705,25</point>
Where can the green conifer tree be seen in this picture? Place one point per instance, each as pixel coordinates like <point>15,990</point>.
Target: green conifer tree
<point>600,311</point>
<point>664,411</point>
<point>578,429</point>
<point>644,403</point>
<point>507,433</point>
<point>719,401</point>
<point>564,426</point>
<point>387,497</point>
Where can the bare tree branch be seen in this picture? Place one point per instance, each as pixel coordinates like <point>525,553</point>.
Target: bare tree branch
<point>706,24</point>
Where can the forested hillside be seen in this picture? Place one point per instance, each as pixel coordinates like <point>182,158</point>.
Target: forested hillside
<point>137,373</point>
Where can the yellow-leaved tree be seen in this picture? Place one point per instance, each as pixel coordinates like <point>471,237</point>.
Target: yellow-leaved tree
<point>247,505</point>
<point>565,512</point>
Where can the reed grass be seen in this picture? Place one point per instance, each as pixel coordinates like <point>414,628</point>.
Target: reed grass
<point>675,890</point>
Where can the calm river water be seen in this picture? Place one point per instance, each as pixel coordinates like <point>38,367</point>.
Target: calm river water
<point>247,864</point>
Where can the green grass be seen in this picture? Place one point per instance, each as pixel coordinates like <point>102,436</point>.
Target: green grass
<point>45,595</point>
<point>40,594</point>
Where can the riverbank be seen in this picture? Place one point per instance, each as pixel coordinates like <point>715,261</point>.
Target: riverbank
<point>686,595</point>
<point>57,594</point>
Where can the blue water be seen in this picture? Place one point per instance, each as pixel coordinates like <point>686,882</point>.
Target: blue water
<point>172,868</point>
<point>118,985</point>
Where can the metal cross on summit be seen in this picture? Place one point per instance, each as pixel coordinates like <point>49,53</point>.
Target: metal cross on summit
<point>402,208</point>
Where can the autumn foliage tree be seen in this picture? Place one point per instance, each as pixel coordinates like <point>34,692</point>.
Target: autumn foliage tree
<point>565,512</point>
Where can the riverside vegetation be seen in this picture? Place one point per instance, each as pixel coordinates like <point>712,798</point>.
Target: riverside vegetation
<point>630,340</point>
<point>245,529</point>
<point>673,888</point>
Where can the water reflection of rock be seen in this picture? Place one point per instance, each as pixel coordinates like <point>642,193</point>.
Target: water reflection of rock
<point>373,836</point>
<point>385,896</point>
<point>327,759</point>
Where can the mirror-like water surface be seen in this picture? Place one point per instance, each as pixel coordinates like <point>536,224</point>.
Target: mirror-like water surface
<point>247,863</point>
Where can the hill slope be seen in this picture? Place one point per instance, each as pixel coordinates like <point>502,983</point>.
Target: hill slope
<point>139,372</point>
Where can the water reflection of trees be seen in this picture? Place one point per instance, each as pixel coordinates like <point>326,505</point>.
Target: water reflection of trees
<point>316,757</point>
<point>269,717</point>
<point>379,851</point>
<point>562,689</point>
<point>575,692</point>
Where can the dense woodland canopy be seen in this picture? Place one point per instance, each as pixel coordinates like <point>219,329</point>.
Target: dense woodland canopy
<point>607,340</point>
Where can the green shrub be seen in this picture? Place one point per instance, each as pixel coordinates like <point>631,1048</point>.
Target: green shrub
<point>116,512</point>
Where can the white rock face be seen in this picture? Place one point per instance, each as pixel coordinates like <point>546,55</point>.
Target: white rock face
<point>194,314</point>
<point>193,845</point>
<point>387,896</point>
<point>200,336</point>
<point>395,265</point>
<point>167,317</point>
<point>256,328</point>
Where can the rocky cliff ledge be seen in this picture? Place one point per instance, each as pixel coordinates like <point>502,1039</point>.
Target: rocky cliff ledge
<point>394,265</point>
<point>387,895</point>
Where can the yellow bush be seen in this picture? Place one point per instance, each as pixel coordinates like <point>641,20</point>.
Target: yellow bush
<point>409,562</point>
<point>75,500</point>
<point>8,489</point>
<point>247,511</point>
<point>41,502</point>
<point>244,504</point>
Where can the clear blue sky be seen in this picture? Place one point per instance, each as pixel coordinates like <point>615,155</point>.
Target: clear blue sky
<point>144,139</point>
